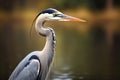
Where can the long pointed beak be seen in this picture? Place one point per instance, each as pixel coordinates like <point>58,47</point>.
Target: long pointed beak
<point>70,18</point>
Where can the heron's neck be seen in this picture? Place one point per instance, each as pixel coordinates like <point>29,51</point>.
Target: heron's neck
<point>49,34</point>
<point>50,42</point>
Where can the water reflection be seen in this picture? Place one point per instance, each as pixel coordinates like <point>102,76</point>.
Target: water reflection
<point>66,76</point>
<point>65,73</point>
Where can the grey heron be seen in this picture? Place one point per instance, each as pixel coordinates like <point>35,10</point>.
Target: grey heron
<point>35,66</point>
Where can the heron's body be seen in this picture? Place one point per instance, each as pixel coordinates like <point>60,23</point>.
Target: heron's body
<point>29,67</point>
<point>35,66</point>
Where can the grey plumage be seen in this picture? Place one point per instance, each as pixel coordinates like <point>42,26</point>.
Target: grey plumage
<point>35,66</point>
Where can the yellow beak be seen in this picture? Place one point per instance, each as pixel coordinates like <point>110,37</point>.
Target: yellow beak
<point>70,18</point>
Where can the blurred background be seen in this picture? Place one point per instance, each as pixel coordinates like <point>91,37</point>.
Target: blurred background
<point>84,51</point>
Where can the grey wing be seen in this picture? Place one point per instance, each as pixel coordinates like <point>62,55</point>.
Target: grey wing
<point>30,71</point>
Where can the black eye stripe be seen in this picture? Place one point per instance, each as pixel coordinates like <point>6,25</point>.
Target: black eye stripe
<point>49,11</point>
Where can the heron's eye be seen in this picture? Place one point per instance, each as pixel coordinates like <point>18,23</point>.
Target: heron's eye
<point>57,15</point>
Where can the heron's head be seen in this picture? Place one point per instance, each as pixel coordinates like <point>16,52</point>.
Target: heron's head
<point>51,14</point>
